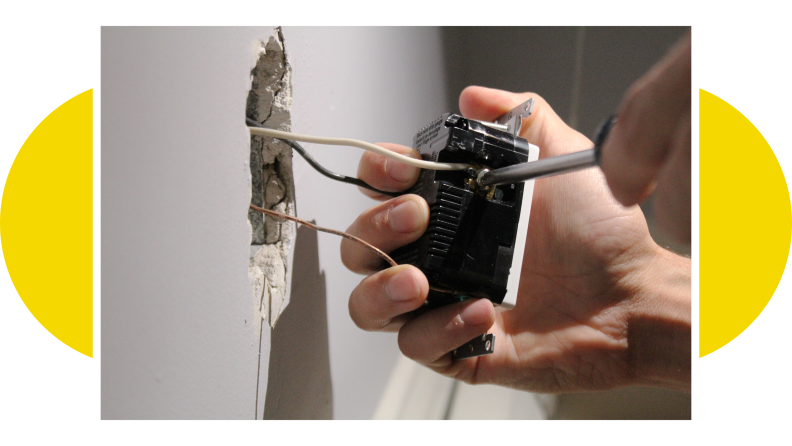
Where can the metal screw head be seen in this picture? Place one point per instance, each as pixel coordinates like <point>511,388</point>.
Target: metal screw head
<point>481,174</point>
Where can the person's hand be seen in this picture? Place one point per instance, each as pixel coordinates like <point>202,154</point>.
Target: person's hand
<point>649,147</point>
<point>600,305</point>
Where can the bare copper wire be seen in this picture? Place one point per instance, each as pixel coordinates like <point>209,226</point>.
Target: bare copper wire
<point>368,245</point>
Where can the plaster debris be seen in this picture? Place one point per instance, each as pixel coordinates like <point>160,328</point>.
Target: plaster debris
<point>272,180</point>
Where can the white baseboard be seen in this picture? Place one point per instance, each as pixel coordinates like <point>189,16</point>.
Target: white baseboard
<point>416,393</point>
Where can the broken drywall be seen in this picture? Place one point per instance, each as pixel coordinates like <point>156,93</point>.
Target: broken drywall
<point>272,180</point>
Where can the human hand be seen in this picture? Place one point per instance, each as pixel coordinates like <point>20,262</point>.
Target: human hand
<point>648,150</point>
<point>600,305</point>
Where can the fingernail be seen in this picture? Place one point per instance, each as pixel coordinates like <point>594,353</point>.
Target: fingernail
<point>403,286</point>
<point>406,217</point>
<point>477,313</point>
<point>399,171</point>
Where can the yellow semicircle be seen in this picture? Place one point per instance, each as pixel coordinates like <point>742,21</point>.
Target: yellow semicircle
<point>46,223</point>
<point>745,223</point>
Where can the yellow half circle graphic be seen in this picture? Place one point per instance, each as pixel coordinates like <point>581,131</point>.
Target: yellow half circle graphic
<point>745,223</point>
<point>46,223</point>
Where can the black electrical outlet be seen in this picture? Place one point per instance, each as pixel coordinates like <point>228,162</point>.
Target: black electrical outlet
<point>466,251</point>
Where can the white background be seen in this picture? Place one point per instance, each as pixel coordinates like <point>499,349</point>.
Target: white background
<point>741,54</point>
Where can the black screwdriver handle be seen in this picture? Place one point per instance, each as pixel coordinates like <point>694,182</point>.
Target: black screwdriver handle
<point>602,134</point>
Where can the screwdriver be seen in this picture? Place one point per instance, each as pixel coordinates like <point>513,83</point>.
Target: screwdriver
<point>550,166</point>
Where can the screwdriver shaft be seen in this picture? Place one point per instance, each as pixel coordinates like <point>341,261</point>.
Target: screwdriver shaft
<point>542,168</point>
<point>553,165</point>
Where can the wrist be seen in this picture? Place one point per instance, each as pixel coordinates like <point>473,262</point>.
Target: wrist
<point>658,328</point>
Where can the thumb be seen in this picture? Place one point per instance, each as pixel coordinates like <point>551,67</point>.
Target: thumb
<point>543,128</point>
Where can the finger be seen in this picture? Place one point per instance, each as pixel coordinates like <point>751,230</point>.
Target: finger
<point>387,226</point>
<point>489,104</point>
<point>672,197</point>
<point>431,337</point>
<point>380,302</point>
<point>543,128</point>
<point>639,143</point>
<point>387,174</point>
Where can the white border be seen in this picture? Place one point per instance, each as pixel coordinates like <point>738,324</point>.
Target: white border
<point>510,300</point>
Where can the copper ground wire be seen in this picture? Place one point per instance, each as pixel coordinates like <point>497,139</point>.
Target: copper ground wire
<point>368,245</point>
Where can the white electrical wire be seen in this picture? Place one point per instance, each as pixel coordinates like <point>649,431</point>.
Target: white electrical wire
<point>260,131</point>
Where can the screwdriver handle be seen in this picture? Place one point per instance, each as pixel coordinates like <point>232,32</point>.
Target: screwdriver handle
<point>602,134</point>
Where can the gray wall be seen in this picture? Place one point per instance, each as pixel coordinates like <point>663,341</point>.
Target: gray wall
<point>178,339</point>
<point>586,69</point>
<point>178,335</point>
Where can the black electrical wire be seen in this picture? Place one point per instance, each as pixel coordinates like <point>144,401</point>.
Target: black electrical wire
<point>332,175</point>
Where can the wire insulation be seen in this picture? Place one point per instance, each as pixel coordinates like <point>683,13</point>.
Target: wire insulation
<point>324,171</point>
<point>261,131</point>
